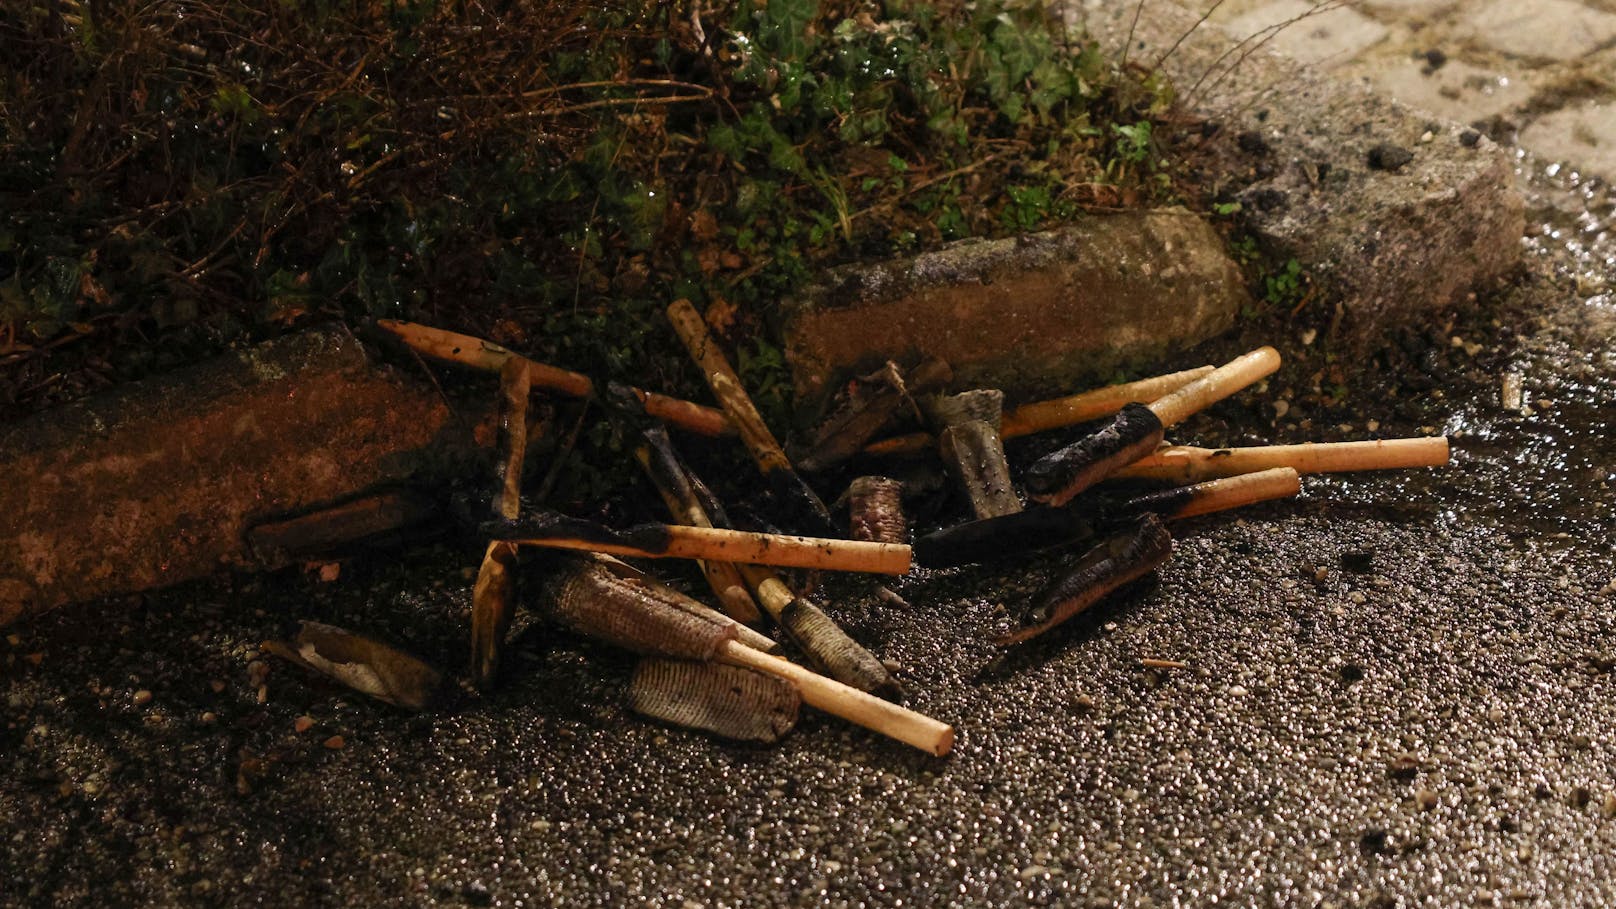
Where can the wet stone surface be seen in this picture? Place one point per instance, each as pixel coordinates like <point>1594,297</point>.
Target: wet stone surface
<point>1399,691</point>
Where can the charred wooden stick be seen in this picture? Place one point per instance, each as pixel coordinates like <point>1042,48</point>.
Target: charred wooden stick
<point>1044,528</point>
<point>671,480</point>
<point>477,353</point>
<point>729,701</point>
<point>825,643</point>
<point>1137,430</point>
<point>334,529</point>
<point>515,388</point>
<point>760,442</point>
<point>1188,464</point>
<point>1056,413</point>
<point>968,440</point>
<point>647,618</point>
<point>875,510</point>
<point>669,541</point>
<point>492,601</point>
<point>871,404</point>
<point>1125,557</point>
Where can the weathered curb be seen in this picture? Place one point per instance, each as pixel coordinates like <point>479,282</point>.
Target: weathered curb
<point>157,482</point>
<point>1387,245</point>
<point>1028,315</point>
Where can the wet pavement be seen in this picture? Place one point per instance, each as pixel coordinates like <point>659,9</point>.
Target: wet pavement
<point>1399,691</point>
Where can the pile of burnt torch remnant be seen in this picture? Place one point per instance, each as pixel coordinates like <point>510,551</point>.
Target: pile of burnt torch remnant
<point>710,668</point>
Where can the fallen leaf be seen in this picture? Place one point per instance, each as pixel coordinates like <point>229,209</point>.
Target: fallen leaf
<point>367,666</point>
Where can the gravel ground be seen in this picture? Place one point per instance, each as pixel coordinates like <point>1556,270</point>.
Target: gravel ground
<point>1399,692</point>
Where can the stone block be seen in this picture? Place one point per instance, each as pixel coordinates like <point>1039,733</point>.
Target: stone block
<point>1387,247</point>
<point>1327,39</point>
<point>1557,30</point>
<point>158,481</point>
<point>1037,314</point>
<point>1456,91</point>
<point>1583,135</point>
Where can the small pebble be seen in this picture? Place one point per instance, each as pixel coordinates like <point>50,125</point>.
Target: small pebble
<point>336,743</point>
<point>1425,799</point>
<point>303,724</point>
<point>209,718</point>
<point>1238,691</point>
<point>217,685</point>
<point>142,697</point>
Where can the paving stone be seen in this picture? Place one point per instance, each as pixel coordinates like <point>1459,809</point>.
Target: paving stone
<point>1031,315</point>
<point>1325,39</point>
<point>1387,248</point>
<point>158,481</point>
<point>1456,91</point>
<point>1583,135</point>
<point>1557,30</point>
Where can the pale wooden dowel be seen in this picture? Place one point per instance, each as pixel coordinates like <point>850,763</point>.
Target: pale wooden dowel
<point>831,696</point>
<point>784,550</point>
<point>1215,385</point>
<point>1091,405</point>
<point>1041,416</point>
<point>1246,489</point>
<point>1189,464</point>
<point>477,353</point>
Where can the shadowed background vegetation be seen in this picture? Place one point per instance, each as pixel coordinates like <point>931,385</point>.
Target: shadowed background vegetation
<point>182,176</point>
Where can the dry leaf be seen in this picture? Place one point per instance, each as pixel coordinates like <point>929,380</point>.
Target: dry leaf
<point>367,666</point>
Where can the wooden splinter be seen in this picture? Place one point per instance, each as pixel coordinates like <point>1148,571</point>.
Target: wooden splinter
<point>1137,430</point>
<point>821,639</point>
<point>873,401</point>
<point>1040,416</point>
<point>645,618</point>
<point>968,440</point>
<point>1188,464</point>
<point>669,541</point>
<point>1044,528</point>
<point>492,602</point>
<point>477,353</point>
<point>515,388</point>
<point>760,442</point>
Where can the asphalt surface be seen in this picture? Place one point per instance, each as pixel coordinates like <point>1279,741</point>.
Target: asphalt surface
<point>1399,692</point>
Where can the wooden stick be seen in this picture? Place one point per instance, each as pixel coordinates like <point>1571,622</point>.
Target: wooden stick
<point>1224,493</point>
<point>1045,415</point>
<point>821,639</point>
<point>492,602</point>
<point>1215,385</point>
<point>1040,416</point>
<point>1043,528</point>
<point>1188,464</point>
<point>869,406</point>
<point>669,541</point>
<point>668,476</point>
<point>849,703</point>
<point>477,353</point>
<point>1137,430</point>
<point>515,388</point>
<point>760,442</point>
